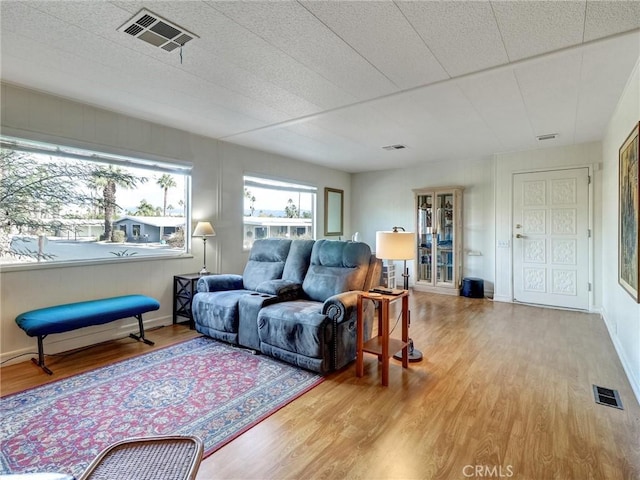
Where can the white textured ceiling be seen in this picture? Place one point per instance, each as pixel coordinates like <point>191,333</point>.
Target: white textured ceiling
<point>331,82</point>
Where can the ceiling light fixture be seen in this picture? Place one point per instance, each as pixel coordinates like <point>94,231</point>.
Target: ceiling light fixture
<point>156,31</point>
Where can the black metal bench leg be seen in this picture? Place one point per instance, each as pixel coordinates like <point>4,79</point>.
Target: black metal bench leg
<point>40,361</point>
<point>141,336</point>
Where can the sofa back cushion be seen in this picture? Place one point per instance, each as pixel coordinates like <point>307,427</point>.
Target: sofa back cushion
<point>266,261</point>
<point>297,264</point>
<point>336,267</point>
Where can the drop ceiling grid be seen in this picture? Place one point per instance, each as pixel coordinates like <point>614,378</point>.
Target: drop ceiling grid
<point>95,35</point>
<point>229,91</point>
<point>235,56</point>
<point>291,28</point>
<point>110,66</point>
<point>231,85</point>
<point>439,114</point>
<point>344,144</point>
<point>234,86</point>
<point>497,98</point>
<point>380,33</point>
<point>192,108</point>
<point>532,28</point>
<point>599,90</point>
<point>363,124</point>
<point>226,41</point>
<point>334,149</point>
<point>287,142</point>
<point>234,80</point>
<point>437,106</point>
<point>463,36</point>
<point>550,92</point>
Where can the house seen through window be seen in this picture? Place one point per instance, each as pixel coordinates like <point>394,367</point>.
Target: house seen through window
<point>62,204</point>
<point>277,209</point>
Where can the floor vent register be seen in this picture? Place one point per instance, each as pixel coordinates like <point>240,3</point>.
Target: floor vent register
<point>607,396</point>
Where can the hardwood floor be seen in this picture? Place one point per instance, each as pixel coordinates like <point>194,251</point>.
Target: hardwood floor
<point>504,391</point>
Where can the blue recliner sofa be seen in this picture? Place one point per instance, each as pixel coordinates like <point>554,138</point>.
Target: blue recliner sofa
<point>226,306</point>
<point>296,301</point>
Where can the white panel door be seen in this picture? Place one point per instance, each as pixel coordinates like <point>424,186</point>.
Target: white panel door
<point>551,238</point>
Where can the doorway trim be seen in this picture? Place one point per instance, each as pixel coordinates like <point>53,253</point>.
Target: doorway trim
<point>503,241</point>
<point>590,238</point>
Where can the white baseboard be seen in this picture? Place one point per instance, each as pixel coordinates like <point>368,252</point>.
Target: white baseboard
<point>84,337</point>
<point>635,383</point>
<point>502,298</point>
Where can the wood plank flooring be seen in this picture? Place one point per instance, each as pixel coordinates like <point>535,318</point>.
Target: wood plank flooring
<point>504,391</point>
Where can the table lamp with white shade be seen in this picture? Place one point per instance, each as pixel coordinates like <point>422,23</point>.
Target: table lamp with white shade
<point>204,230</point>
<point>399,245</point>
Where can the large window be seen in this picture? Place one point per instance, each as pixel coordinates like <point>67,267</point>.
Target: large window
<point>61,204</point>
<point>277,209</point>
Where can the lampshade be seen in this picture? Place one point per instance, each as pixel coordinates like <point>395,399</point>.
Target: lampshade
<point>395,245</point>
<point>204,229</point>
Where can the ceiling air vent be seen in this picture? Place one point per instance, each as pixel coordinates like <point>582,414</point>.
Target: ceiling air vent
<point>156,31</point>
<point>394,147</point>
<point>548,136</point>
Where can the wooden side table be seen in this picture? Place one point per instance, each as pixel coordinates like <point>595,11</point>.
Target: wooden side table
<point>184,288</point>
<point>383,346</point>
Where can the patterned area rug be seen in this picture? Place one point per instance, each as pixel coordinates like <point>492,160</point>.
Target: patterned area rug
<point>199,387</point>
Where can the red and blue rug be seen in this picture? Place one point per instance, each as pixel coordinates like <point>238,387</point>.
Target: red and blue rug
<point>199,387</point>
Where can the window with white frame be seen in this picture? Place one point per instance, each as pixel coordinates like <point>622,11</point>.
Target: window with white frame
<point>65,204</point>
<point>277,209</point>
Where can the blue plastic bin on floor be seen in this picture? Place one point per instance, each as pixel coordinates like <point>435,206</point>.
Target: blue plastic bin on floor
<point>472,287</point>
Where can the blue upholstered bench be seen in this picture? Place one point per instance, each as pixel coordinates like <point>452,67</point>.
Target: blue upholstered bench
<point>64,318</point>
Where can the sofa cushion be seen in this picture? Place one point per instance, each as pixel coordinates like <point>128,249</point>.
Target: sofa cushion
<point>266,261</point>
<point>218,310</point>
<point>297,326</point>
<point>297,264</point>
<point>336,267</point>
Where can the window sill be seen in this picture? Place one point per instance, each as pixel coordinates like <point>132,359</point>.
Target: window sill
<point>9,268</point>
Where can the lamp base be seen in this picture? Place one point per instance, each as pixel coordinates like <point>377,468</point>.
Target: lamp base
<point>414,355</point>
<point>204,271</point>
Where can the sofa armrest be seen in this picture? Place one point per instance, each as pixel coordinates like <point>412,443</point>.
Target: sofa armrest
<point>216,283</point>
<point>285,289</point>
<point>341,307</point>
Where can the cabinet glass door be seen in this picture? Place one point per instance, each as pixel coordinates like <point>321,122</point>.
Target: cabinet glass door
<point>425,238</point>
<point>444,253</point>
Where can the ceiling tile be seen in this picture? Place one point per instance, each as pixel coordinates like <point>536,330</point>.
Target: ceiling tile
<point>550,91</point>
<point>608,18</point>
<point>497,99</point>
<point>599,90</point>
<point>292,29</point>
<point>463,36</point>
<point>382,35</point>
<point>530,28</point>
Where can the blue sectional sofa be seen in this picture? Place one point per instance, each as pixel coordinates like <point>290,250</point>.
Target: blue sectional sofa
<point>295,301</point>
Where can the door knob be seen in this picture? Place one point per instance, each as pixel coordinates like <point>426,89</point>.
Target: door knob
<point>519,236</point>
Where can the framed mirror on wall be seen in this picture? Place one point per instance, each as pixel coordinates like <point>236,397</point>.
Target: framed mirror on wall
<point>333,211</point>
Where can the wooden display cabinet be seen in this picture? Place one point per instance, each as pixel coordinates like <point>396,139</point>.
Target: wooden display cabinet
<point>439,240</point>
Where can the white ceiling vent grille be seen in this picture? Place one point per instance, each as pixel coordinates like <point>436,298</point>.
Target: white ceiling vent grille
<point>156,31</point>
<point>547,136</point>
<point>394,147</point>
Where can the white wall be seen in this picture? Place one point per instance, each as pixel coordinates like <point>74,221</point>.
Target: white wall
<point>620,311</point>
<point>506,165</point>
<point>384,199</point>
<point>218,168</point>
